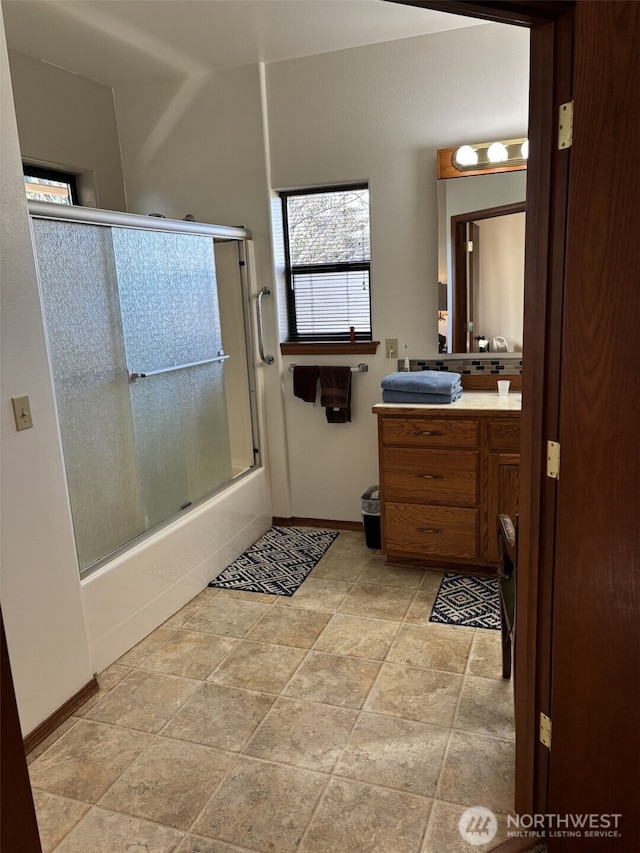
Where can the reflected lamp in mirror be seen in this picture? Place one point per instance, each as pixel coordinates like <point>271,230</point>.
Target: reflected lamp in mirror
<point>483,158</point>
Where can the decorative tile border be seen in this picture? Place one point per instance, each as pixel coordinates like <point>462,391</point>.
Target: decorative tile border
<point>470,365</point>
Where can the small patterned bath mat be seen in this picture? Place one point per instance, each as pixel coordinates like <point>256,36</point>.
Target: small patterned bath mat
<point>467,600</point>
<point>278,562</point>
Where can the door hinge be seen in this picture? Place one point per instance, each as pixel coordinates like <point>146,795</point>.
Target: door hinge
<point>553,459</point>
<point>565,126</point>
<point>468,246</point>
<point>545,730</point>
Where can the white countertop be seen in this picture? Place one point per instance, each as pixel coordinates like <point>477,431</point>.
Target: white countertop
<point>470,400</point>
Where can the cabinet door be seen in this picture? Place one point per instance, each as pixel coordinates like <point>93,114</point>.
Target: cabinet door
<point>502,497</point>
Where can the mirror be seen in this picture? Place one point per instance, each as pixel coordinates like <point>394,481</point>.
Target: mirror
<point>481,262</point>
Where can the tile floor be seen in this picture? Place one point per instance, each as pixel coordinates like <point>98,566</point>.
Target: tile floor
<point>335,721</point>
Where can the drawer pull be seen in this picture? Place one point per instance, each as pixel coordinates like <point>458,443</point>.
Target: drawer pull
<point>429,530</point>
<point>428,476</point>
<point>428,432</point>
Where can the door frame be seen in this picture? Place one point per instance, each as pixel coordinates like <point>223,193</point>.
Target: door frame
<point>551,61</point>
<point>461,297</point>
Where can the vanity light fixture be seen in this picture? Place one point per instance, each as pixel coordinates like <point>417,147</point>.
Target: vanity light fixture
<point>483,158</point>
<point>497,153</point>
<point>466,156</point>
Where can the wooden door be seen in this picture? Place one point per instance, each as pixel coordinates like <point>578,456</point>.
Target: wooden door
<point>465,280</point>
<point>19,833</point>
<point>594,763</point>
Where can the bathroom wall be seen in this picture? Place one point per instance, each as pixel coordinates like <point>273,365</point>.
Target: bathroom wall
<point>501,302</point>
<point>379,113</point>
<point>217,145</point>
<point>39,581</point>
<point>207,145</point>
<point>59,630</point>
<point>68,121</point>
<point>197,145</point>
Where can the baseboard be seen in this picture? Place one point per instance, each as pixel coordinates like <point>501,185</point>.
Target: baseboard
<point>53,721</point>
<point>517,845</point>
<point>331,524</point>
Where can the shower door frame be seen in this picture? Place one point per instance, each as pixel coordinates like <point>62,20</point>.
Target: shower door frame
<point>218,233</point>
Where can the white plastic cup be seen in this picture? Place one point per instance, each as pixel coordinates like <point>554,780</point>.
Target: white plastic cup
<point>503,387</point>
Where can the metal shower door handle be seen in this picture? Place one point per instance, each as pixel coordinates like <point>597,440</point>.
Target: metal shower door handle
<point>268,359</point>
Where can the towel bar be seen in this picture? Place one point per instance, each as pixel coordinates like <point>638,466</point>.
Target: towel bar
<point>361,368</point>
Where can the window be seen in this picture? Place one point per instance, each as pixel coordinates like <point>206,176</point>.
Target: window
<point>50,185</point>
<point>327,261</point>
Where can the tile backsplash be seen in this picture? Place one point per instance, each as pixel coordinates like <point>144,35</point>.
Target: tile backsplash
<point>469,365</point>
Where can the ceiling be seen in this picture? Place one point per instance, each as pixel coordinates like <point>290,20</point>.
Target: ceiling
<point>116,41</point>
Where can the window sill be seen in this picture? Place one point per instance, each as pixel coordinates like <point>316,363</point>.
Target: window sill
<point>318,348</point>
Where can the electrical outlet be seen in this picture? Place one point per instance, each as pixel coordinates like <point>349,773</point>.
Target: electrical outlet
<point>391,347</point>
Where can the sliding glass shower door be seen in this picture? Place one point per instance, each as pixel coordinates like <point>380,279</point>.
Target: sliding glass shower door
<point>135,338</point>
<point>175,358</point>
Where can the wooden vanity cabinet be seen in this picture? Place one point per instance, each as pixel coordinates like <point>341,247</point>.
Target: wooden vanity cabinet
<point>444,477</point>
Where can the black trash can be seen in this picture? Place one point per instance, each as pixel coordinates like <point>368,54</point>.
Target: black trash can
<point>370,506</point>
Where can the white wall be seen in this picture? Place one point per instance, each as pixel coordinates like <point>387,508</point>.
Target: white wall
<point>40,585</point>
<point>68,121</point>
<point>501,294</point>
<point>53,649</point>
<point>379,113</point>
<point>197,145</point>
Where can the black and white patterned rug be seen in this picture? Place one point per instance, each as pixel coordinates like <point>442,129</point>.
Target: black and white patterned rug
<point>467,600</point>
<point>278,562</point>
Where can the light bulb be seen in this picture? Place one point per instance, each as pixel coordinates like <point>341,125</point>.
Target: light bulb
<point>466,156</point>
<point>524,149</point>
<point>497,152</point>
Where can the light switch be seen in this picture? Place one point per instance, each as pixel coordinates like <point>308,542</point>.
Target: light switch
<point>22,412</point>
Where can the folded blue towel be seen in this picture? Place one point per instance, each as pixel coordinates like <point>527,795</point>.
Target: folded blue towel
<point>389,395</point>
<point>423,381</point>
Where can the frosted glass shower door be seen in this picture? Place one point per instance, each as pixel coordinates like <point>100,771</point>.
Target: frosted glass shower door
<point>171,325</point>
<point>77,278</point>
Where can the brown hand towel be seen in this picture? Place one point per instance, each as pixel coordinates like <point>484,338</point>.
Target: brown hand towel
<point>335,393</point>
<point>305,379</point>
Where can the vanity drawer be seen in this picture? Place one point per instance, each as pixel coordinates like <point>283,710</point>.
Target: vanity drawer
<point>430,476</point>
<point>504,434</point>
<point>431,531</point>
<point>429,432</point>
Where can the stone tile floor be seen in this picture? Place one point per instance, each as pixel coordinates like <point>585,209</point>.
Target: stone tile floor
<point>335,721</point>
